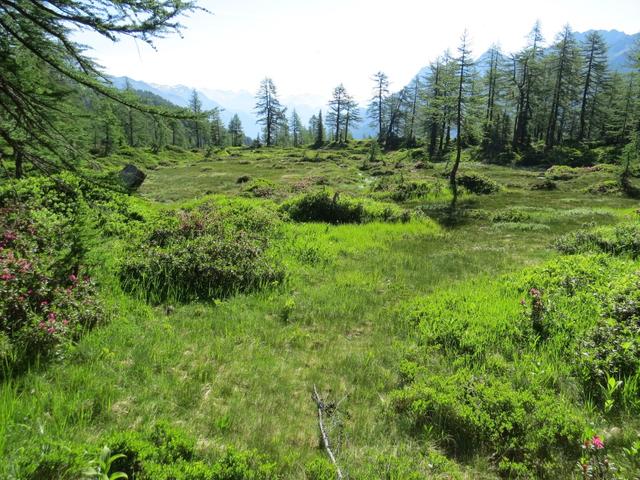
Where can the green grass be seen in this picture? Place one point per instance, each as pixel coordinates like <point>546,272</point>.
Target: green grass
<point>240,371</point>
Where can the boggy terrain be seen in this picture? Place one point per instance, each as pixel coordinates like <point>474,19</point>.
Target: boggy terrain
<point>497,337</point>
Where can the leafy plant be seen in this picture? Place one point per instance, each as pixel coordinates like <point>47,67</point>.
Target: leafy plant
<point>100,468</point>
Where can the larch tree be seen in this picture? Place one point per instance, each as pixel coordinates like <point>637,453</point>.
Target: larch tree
<point>269,110</point>
<point>195,106</point>
<point>464,64</point>
<point>32,116</point>
<point>564,67</point>
<point>296,129</point>
<point>352,117</point>
<point>235,131</point>
<point>376,110</point>
<point>594,51</point>
<point>319,131</point>
<point>526,77</point>
<point>337,111</point>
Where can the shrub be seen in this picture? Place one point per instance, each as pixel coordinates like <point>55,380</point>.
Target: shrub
<point>160,453</point>
<point>166,453</point>
<point>607,187</point>
<point>622,239</point>
<point>260,187</point>
<point>325,206</point>
<point>206,252</point>
<point>546,184</point>
<point>409,190</point>
<point>477,184</point>
<point>561,172</point>
<point>518,427</point>
<point>511,215</point>
<point>612,348</point>
<point>46,301</point>
<point>564,155</point>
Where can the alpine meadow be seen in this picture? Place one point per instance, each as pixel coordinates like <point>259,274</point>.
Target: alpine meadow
<point>437,280</point>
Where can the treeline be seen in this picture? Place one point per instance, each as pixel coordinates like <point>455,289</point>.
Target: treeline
<point>113,124</point>
<point>524,104</point>
<point>530,105</point>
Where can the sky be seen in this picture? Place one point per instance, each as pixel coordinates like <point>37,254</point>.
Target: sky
<point>309,46</point>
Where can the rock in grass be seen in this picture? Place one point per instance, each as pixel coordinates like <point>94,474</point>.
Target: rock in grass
<point>132,177</point>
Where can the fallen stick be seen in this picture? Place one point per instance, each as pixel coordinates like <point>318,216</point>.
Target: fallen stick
<point>325,438</point>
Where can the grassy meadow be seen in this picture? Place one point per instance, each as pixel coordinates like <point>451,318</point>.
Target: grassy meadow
<point>420,325</point>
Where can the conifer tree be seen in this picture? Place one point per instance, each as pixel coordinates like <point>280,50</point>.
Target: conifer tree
<point>269,110</point>
<point>464,63</point>
<point>376,110</point>
<point>235,131</point>
<point>32,117</point>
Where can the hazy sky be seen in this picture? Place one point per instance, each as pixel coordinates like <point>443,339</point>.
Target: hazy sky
<point>309,46</point>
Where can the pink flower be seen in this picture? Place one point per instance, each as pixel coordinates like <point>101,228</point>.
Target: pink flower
<point>51,330</point>
<point>52,317</point>
<point>44,302</point>
<point>73,278</point>
<point>6,276</point>
<point>597,442</point>
<point>10,236</point>
<point>65,322</point>
<point>42,325</point>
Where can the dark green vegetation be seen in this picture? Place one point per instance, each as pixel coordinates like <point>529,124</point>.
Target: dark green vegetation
<point>486,341</point>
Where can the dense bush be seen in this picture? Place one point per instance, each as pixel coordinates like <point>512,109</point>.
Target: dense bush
<point>160,453</point>
<point>207,252</point>
<point>575,157</point>
<point>260,187</point>
<point>525,430</point>
<point>325,206</point>
<point>561,172</point>
<point>46,300</point>
<point>622,239</point>
<point>478,184</point>
<point>500,365</point>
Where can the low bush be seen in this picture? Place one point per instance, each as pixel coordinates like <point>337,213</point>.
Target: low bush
<point>561,172</point>
<point>209,251</point>
<point>478,184</point>
<point>325,206</point>
<point>160,453</point>
<point>575,157</point>
<point>511,215</point>
<point>260,187</point>
<point>622,239</point>
<point>46,299</point>
<point>608,187</point>
<point>501,366</point>
<point>526,431</point>
<point>546,184</point>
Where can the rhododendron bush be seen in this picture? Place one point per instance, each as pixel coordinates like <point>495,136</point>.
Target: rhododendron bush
<point>45,300</point>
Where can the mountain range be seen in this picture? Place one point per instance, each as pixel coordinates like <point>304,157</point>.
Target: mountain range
<point>242,102</point>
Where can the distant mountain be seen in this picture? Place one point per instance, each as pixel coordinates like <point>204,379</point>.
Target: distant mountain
<point>240,102</point>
